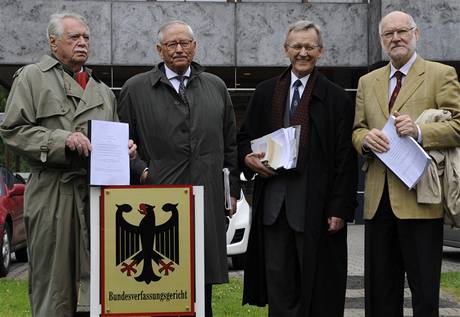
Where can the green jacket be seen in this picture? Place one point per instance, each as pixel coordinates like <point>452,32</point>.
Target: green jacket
<point>44,107</point>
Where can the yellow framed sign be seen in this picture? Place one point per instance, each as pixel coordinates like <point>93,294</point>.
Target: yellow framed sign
<point>147,251</point>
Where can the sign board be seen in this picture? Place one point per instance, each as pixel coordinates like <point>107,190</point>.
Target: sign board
<point>147,252</point>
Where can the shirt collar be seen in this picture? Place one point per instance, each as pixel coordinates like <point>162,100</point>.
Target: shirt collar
<point>303,80</point>
<point>171,74</point>
<point>405,69</point>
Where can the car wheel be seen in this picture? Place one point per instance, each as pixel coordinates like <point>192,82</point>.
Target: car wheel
<point>238,261</point>
<point>21,255</point>
<point>5,255</point>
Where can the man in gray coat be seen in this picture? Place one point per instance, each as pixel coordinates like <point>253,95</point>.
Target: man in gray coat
<point>183,121</point>
<point>45,121</point>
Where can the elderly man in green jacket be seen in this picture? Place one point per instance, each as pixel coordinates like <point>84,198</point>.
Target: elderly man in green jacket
<point>46,119</point>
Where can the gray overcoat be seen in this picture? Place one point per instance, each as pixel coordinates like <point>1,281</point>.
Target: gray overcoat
<point>186,144</point>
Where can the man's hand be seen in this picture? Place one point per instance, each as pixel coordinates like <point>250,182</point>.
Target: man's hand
<point>232,211</point>
<point>132,149</point>
<point>77,141</point>
<point>252,160</point>
<point>376,141</point>
<point>335,224</point>
<point>405,126</point>
<point>144,176</point>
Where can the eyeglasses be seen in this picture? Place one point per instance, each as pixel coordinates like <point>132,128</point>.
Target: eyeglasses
<point>298,47</point>
<point>185,44</point>
<point>403,33</point>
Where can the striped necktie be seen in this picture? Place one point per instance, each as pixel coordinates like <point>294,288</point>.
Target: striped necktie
<point>182,89</point>
<point>395,92</point>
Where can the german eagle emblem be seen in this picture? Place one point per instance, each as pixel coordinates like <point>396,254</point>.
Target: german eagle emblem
<point>147,242</point>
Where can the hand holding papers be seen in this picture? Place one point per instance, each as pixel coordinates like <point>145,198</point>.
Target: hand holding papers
<point>280,147</point>
<point>109,162</point>
<point>406,158</point>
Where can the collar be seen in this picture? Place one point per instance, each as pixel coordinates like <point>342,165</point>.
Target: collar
<point>49,61</point>
<point>170,74</point>
<point>158,72</point>
<point>303,80</point>
<point>405,69</point>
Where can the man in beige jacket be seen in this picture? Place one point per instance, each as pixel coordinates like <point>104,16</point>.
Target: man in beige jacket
<point>402,236</point>
<point>46,119</point>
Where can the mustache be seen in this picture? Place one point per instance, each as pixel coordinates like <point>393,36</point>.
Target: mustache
<point>81,50</point>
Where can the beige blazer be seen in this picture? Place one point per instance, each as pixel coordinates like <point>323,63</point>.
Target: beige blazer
<point>428,85</point>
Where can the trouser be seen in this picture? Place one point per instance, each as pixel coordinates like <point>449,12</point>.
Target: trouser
<point>56,253</point>
<point>395,247</point>
<point>283,266</point>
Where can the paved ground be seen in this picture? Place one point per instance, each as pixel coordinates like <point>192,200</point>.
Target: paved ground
<point>354,304</point>
<point>355,293</point>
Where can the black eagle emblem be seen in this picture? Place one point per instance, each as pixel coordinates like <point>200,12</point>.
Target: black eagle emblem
<point>147,242</point>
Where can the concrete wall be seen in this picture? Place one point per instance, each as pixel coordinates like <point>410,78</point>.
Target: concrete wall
<point>228,34</point>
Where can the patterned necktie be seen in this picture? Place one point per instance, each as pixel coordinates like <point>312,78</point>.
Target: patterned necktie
<point>395,92</point>
<point>295,97</point>
<point>182,89</point>
<point>82,79</point>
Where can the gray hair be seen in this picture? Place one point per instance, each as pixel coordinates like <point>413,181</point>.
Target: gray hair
<point>56,27</point>
<point>168,24</point>
<point>304,25</point>
<point>411,20</point>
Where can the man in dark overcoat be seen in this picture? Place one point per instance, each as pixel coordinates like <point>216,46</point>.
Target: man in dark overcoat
<point>183,122</point>
<point>297,253</point>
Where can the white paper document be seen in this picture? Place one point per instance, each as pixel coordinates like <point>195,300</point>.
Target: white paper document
<point>406,158</point>
<point>280,147</point>
<point>228,200</point>
<point>109,158</point>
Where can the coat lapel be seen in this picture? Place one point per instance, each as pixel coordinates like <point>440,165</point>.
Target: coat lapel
<point>90,98</point>
<point>414,79</point>
<point>381,90</point>
<point>72,88</point>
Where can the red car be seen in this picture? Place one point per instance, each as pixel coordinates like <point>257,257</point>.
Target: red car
<point>13,234</point>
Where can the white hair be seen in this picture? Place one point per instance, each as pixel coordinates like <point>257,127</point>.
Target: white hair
<point>411,20</point>
<point>56,27</point>
<point>170,23</point>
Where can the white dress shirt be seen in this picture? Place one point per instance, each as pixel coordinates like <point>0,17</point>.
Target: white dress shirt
<point>175,82</point>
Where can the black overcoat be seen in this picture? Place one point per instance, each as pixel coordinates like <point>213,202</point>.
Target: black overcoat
<point>329,186</point>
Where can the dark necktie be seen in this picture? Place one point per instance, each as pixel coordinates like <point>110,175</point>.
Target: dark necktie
<point>295,97</point>
<point>82,79</point>
<point>395,92</point>
<point>182,89</point>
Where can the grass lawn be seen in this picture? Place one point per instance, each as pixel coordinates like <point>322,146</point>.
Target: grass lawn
<point>450,283</point>
<point>226,301</point>
<point>14,301</point>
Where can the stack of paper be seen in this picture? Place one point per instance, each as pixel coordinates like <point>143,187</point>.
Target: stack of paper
<point>406,158</point>
<point>280,147</point>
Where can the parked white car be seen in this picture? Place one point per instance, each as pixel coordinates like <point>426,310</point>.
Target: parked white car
<point>238,232</point>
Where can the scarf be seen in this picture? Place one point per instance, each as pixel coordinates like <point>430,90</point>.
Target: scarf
<point>301,115</point>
